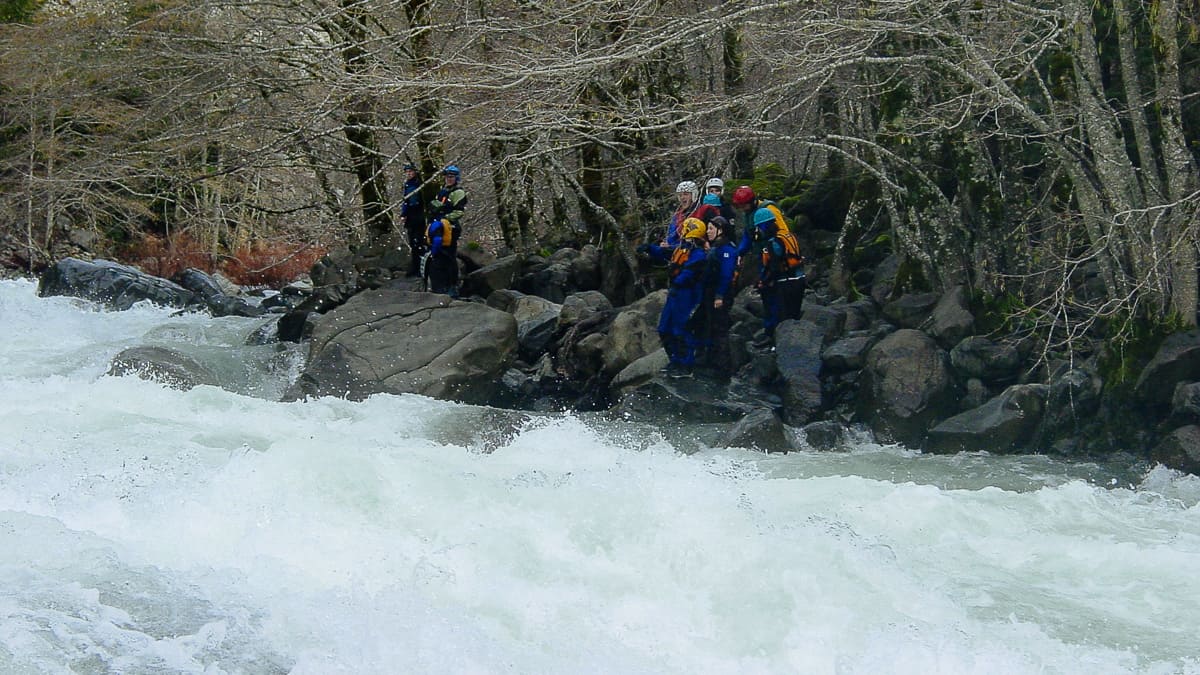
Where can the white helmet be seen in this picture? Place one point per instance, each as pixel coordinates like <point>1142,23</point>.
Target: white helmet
<point>714,183</point>
<point>690,188</point>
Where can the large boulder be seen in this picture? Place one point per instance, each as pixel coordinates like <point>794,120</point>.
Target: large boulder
<point>848,353</point>
<point>906,385</point>
<point>1180,449</point>
<point>115,285</point>
<point>759,430</point>
<point>216,296</point>
<point>987,360</point>
<point>798,358</point>
<point>911,309</point>
<point>491,278</point>
<point>165,366</point>
<point>537,322</point>
<point>392,341</point>
<point>1177,360</point>
<point>579,306</point>
<point>646,395</point>
<point>952,320</point>
<point>634,332</point>
<point>1003,424</point>
<point>1071,402</point>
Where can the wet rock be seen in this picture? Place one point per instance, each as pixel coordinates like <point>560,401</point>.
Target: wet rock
<point>1003,424</point>
<point>116,286</point>
<point>906,385</point>
<point>165,366</point>
<point>758,430</point>
<point>1177,360</point>
<point>387,341</point>
<point>952,320</point>
<point>1180,449</point>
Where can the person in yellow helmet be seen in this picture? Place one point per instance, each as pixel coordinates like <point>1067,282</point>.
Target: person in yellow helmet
<point>686,268</point>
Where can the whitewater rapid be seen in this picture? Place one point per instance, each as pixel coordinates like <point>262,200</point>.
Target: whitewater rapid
<point>149,530</point>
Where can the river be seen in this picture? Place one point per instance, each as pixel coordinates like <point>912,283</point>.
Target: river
<point>149,530</point>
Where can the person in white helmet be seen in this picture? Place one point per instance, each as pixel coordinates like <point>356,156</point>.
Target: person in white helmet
<point>688,194</point>
<point>714,193</point>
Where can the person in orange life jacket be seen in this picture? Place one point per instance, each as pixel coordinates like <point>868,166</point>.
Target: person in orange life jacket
<point>716,187</point>
<point>712,316</point>
<point>781,280</point>
<point>412,212</point>
<point>442,235</point>
<point>689,199</point>
<point>683,295</point>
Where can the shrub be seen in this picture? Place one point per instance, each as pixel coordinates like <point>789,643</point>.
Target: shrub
<point>165,257</point>
<point>271,264</point>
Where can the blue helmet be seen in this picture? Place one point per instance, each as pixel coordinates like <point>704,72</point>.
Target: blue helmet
<point>451,170</point>
<point>763,218</point>
<point>712,199</point>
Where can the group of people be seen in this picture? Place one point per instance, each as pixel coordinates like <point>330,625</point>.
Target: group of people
<point>704,247</point>
<point>433,237</point>
<point>704,253</point>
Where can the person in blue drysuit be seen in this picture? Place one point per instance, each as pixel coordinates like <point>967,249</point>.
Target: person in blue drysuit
<point>686,269</point>
<point>412,212</point>
<point>711,318</point>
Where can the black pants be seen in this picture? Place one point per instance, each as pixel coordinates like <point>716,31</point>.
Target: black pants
<point>717,355</point>
<point>783,300</point>
<point>441,272</point>
<point>416,244</point>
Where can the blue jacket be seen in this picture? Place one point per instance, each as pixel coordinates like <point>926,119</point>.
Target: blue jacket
<point>722,265</point>
<point>412,208</point>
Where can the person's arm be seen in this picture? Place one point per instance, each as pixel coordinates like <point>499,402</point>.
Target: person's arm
<point>456,206</point>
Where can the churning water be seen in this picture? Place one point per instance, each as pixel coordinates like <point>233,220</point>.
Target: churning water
<point>149,530</point>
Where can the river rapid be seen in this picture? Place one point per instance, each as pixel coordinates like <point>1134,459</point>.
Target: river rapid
<point>149,530</point>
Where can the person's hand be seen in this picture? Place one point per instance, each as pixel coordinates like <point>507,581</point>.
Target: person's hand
<point>718,303</point>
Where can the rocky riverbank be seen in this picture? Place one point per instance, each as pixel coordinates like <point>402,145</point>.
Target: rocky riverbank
<point>543,333</point>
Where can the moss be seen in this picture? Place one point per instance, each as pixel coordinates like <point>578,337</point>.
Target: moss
<point>910,278</point>
<point>1132,342</point>
<point>1001,313</point>
<point>769,180</point>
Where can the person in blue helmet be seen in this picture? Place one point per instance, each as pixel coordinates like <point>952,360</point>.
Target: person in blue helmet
<point>412,213</point>
<point>711,318</point>
<point>683,295</point>
<point>781,279</point>
<point>443,234</point>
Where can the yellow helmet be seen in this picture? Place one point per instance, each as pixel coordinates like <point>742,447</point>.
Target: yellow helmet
<point>693,228</point>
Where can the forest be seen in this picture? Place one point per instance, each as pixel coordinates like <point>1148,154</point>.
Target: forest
<point>1041,153</point>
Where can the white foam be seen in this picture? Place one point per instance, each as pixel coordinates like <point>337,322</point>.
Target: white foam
<point>207,531</point>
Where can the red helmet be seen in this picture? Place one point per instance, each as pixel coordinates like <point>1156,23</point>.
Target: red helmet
<point>743,196</point>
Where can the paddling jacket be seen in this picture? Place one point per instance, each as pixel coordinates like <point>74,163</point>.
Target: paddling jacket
<point>749,235</point>
<point>412,209</point>
<point>720,272</point>
<point>449,204</point>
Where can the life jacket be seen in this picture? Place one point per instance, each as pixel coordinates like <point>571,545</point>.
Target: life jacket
<point>781,225</point>
<point>447,233</point>
<point>680,259</point>
<point>791,255</point>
